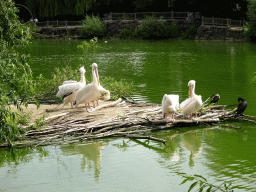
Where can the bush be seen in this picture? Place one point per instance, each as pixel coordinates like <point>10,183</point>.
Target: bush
<point>190,33</point>
<point>127,33</point>
<point>92,26</point>
<point>172,31</point>
<point>151,29</point>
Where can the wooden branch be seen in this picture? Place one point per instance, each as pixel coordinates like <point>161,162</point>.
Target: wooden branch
<point>142,137</point>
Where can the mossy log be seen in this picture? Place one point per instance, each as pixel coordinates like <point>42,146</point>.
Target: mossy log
<point>136,120</point>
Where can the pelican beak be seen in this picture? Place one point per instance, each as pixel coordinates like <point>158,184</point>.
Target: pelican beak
<point>190,91</point>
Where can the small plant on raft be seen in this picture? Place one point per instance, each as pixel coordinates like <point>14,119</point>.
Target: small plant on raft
<point>86,47</point>
<point>202,183</point>
<point>117,89</point>
<point>59,75</point>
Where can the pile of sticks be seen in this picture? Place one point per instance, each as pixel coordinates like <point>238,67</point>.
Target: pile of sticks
<point>136,123</point>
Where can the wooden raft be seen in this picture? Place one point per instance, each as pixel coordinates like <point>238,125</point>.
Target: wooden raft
<point>135,120</point>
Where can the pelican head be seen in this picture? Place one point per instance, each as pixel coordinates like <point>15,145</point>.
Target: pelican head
<point>106,96</point>
<point>82,69</point>
<point>95,73</point>
<point>191,85</point>
<point>94,65</point>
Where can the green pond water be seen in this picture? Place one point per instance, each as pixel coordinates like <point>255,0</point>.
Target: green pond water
<point>155,68</point>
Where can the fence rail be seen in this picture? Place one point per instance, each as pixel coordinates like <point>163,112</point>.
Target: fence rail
<point>58,23</point>
<point>222,22</point>
<point>144,15</point>
<point>189,16</point>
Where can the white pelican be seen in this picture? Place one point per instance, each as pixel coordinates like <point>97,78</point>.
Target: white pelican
<point>102,90</point>
<point>193,103</point>
<point>91,92</point>
<point>69,88</point>
<point>170,104</point>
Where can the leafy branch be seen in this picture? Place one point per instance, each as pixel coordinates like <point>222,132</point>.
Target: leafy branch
<point>202,183</point>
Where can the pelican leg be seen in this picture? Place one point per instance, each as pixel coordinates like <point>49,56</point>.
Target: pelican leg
<point>63,105</point>
<point>173,120</point>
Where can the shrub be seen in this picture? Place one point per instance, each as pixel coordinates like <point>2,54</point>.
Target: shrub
<point>127,33</point>
<point>92,26</point>
<point>172,31</point>
<point>190,32</point>
<point>151,29</point>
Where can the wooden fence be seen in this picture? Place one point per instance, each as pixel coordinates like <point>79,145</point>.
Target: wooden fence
<point>188,16</point>
<point>57,23</point>
<point>222,22</point>
<point>144,15</point>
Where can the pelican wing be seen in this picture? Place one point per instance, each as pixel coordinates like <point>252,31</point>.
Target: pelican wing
<point>87,94</point>
<point>102,90</point>
<point>69,81</point>
<point>191,105</point>
<point>170,103</point>
<point>67,89</point>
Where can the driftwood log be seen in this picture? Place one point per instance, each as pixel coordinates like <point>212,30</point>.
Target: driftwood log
<point>137,120</point>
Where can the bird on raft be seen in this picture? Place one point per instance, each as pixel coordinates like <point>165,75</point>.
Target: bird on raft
<point>214,98</point>
<point>91,92</point>
<point>241,107</point>
<point>68,89</point>
<point>193,103</point>
<point>102,90</point>
<point>170,105</point>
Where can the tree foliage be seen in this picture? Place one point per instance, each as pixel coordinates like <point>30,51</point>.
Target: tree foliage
<point>46,8</point>
<point>250,28</point>
<point>15,74</point>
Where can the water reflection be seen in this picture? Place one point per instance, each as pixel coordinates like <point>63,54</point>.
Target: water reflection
<point>91,156</point>
<point>21,155</point>
<point>192,142</point>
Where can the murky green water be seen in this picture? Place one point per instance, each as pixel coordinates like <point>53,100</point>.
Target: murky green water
<point>155,67</point>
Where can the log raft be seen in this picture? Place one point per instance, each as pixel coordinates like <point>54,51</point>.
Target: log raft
<point>131,119</point>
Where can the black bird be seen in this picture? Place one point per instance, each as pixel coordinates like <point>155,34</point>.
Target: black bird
<point>241,107</point>
<point>215,98</point>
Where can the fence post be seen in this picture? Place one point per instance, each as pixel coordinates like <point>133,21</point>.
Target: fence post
<point>135,15</point>
<point>47,23</point>
<point>202,20</point>
<point>110,15</point>
<point>66,23</point>
<point>172,15</point>
<point>57,23</point>
<point>213,21</point>
<point>124,15</point>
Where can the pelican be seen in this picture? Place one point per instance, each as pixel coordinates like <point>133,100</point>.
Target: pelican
<point>193,103</point>
<point>91,92</point>
<point>241,107</point>
<point>170,104</point>
<point>69,88</point>
<point>102,90</point>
